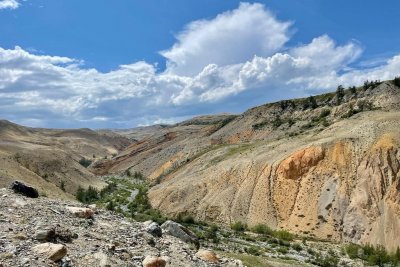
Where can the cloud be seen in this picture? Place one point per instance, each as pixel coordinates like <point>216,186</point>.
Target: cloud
<point>56,91</point>
<point>9,4</point>
<point>232,37</point>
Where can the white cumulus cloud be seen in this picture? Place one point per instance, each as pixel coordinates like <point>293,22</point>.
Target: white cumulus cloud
<point>249,68</point>
<point>231,37</point>
<point>9,4</point>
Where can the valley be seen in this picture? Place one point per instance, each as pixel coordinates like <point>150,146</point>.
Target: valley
<point>323,169</point>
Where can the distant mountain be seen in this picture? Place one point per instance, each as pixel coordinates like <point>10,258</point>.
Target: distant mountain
<point>49,159</point>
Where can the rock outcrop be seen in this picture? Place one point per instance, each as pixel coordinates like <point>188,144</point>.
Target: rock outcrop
<point>39,232</point>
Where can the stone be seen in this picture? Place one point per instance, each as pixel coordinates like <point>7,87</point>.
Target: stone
<point>154,229</point>
<point>81,212</point>
<point>236,263</point>
<point>93,207</point>
<point>45,235</point>
<point>23,189</point>
<point>147,223</point>
<point>102,259</point>
<point>179,231</point>
<point>25,260</point>
<point>207,255</point>
<point>151,261</point>
<point>54,252</point>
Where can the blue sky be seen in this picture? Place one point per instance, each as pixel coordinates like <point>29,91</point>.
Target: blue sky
<point>125,63</point>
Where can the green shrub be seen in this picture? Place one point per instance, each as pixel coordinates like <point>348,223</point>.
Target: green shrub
<point>62,186</point>
<point>297,247</point>
<point>89,195</point>
<point>184,218</point>
<point>262,229</point>
<point>277,122</point>
<point>310,102</point>
<point>353,90</point>
<point>324,113</point>
<point>397,81</point>
<point>252,250</point>
<point>211,233</point>
<point>326,261</point>
<point>284,243</point>
<point>110,205</point>
<point>283,250</point>
<point>339,94</point>
<point>284,235</point>
<point>85,162</point>
<point>239,227</point>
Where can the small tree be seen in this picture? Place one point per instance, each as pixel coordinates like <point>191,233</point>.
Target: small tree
<point>397,81</point>
<point>110,205</point>
<point>366,85</point>
<point>262,229</point>
<point>85,162</point>
<point>339,94</point>
<point>62,186</point>
<point>353,90</point>
<point>313,102</point>
<point>80,194</point>
<point>239,227</point>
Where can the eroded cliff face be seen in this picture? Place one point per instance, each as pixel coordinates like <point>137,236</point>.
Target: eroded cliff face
<point>331,172</point>
<point>322,190</point>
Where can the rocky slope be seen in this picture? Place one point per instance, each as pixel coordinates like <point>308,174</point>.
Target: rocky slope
<point>46,232</point>
<point>326,166</point>
<point>49,159</point>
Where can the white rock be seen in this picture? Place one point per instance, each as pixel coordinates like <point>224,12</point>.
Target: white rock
<point>151,261</point>
<point>179,231</point>
<point>54,252</point>
<point>81,212</point>
<point>207,255</point>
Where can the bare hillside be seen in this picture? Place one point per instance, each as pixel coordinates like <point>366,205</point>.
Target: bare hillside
<point>49,159</point>
<point>325,166</point>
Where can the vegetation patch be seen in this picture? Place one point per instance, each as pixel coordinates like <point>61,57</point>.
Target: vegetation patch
<point>85,162</point>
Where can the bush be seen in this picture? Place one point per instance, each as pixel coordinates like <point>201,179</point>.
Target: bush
<point>297,247</point>
<point>239,227</point>
<point>324,113</point>
<point>284,235</point>
<point>353,90</point>
<point>110,205</point>
<point>62,186</point>
<point>262,229</point>
<point>339,94</point>
<point>310,103</point>
<point>252,250</point>
<point>87,196</point>
<point>85,162</point>
<point>211,233</point>
<point>326,261</point>
<point>282,250</point>
<point>397,81</point>
<point>373,255</point>
<point>184,218</point>
<point>277,122</point>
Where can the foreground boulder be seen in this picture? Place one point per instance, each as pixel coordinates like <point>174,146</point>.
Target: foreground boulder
<point>24,189</point>
<point>181,232</point>
<point>45,234</point>
<point>154,229</point>
<point>151,261</point>
<point>207,255</point>
<point>81,212</point>
<point>54,252</point>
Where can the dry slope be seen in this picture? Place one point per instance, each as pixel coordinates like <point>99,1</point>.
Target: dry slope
<point>326,166</point>
<point>48,159</point>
